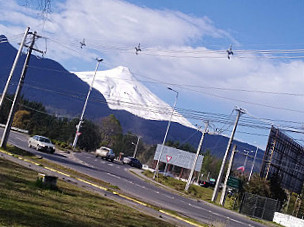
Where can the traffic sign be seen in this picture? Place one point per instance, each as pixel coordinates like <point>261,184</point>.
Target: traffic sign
<point>168,158</point>
<point>234,182</point>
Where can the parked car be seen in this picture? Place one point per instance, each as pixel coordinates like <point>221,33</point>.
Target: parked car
<point>204,184</point>
<point>105,153</point>
<point>41,143</point>
<point>132,162</point>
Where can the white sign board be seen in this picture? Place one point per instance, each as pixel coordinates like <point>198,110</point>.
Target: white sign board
<point>179,158</point>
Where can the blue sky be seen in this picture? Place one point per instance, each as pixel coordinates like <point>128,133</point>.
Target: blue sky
<point>255,24</point>
<point>184,46</point>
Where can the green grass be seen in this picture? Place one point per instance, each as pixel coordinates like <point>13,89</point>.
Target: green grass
<point>24,203</point>
<point>43,162</point>
<point>194,191</point>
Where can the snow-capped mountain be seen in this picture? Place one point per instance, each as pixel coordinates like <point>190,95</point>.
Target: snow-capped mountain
<point>123,92</point>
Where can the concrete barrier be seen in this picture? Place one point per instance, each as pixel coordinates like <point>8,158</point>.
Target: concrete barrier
<point>287,220</point>
<point>16,129</point>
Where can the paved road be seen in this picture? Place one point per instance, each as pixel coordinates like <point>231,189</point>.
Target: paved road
<point>118,174</point>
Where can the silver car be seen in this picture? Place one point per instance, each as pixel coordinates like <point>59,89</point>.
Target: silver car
<point>41,143</point>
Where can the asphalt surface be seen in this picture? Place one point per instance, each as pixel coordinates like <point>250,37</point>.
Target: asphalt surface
<point>118,174</point>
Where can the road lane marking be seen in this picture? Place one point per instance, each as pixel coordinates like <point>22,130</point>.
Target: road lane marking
<point>168,196</point>
<point>180,218</point>
<point>114,175</point>
<point>217,214</point>
<point>129,198</point>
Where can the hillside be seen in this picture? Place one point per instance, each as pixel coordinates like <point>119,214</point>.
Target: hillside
<point>63,93</point>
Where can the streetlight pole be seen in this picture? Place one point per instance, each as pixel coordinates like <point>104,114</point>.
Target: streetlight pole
<point>196,157</point>
<point>245,161</point>
<point>136,146</point>
<point>252,166</point>
<point>85,105</point>
<point>168,127</point>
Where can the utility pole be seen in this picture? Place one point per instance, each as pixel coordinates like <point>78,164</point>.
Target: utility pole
<point>219,178</point>
<point>196,156</point>
<point>14,66</point>
<point>253,163</point>
<point>18,91</point>
<point>168,127</point>
<point>223,196</point>
<point>136,146</point>
<point>77,134</point>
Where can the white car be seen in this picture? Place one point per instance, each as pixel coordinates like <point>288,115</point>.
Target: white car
<point>41,143</point>
<point>105,153</point>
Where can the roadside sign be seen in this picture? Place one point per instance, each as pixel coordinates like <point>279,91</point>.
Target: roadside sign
<point>78,133</point>
<point>178,157</point>
<point>168,158</point>
<point>234,182</point>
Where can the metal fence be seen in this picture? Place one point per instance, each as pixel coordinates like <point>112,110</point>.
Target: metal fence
<point>259,207</point>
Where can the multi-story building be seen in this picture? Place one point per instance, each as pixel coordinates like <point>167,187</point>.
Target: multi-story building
<point>284,159</point>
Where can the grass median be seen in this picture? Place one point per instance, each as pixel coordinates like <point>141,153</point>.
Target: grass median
<point>24,203</point>
<point>44,162</point>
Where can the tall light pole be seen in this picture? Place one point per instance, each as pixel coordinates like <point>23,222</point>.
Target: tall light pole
<point>196,157</point>
<point>245,161</point>
<point>85,104</point>
<point>136,146</point>
<point>165,137</point>
<point>252,166</point>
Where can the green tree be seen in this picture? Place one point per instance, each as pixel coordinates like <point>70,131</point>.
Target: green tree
<point>21,119</point>
<point>111,131</point>
<point>211,164</point>
<point>89,139</point>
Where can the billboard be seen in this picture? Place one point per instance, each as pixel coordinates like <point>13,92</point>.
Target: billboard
<point>284,159</point>
<point>178,157</point>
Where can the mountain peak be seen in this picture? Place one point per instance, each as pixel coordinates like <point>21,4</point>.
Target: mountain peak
<point>123,92</point>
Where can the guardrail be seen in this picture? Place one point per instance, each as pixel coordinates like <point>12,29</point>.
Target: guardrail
<point>16,129</point>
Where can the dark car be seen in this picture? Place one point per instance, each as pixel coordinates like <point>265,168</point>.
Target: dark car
<point>132,162</point>
<point>204,184</point>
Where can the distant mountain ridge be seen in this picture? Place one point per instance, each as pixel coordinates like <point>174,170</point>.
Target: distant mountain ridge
<point>123,92</point>
<point>63,93</point>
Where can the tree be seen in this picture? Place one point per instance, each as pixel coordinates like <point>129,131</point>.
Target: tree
<point>89,139</point>
<point>111,131</point>
<point>211,164</point>
<point>22,119</point>
<point>268,188</point>
<point>258,186</point>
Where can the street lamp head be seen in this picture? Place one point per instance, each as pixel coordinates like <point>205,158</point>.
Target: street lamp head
<point>171,89</point>
<point>99,59</point>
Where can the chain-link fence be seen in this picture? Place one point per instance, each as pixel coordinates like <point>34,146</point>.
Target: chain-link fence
<point>259,206</point>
